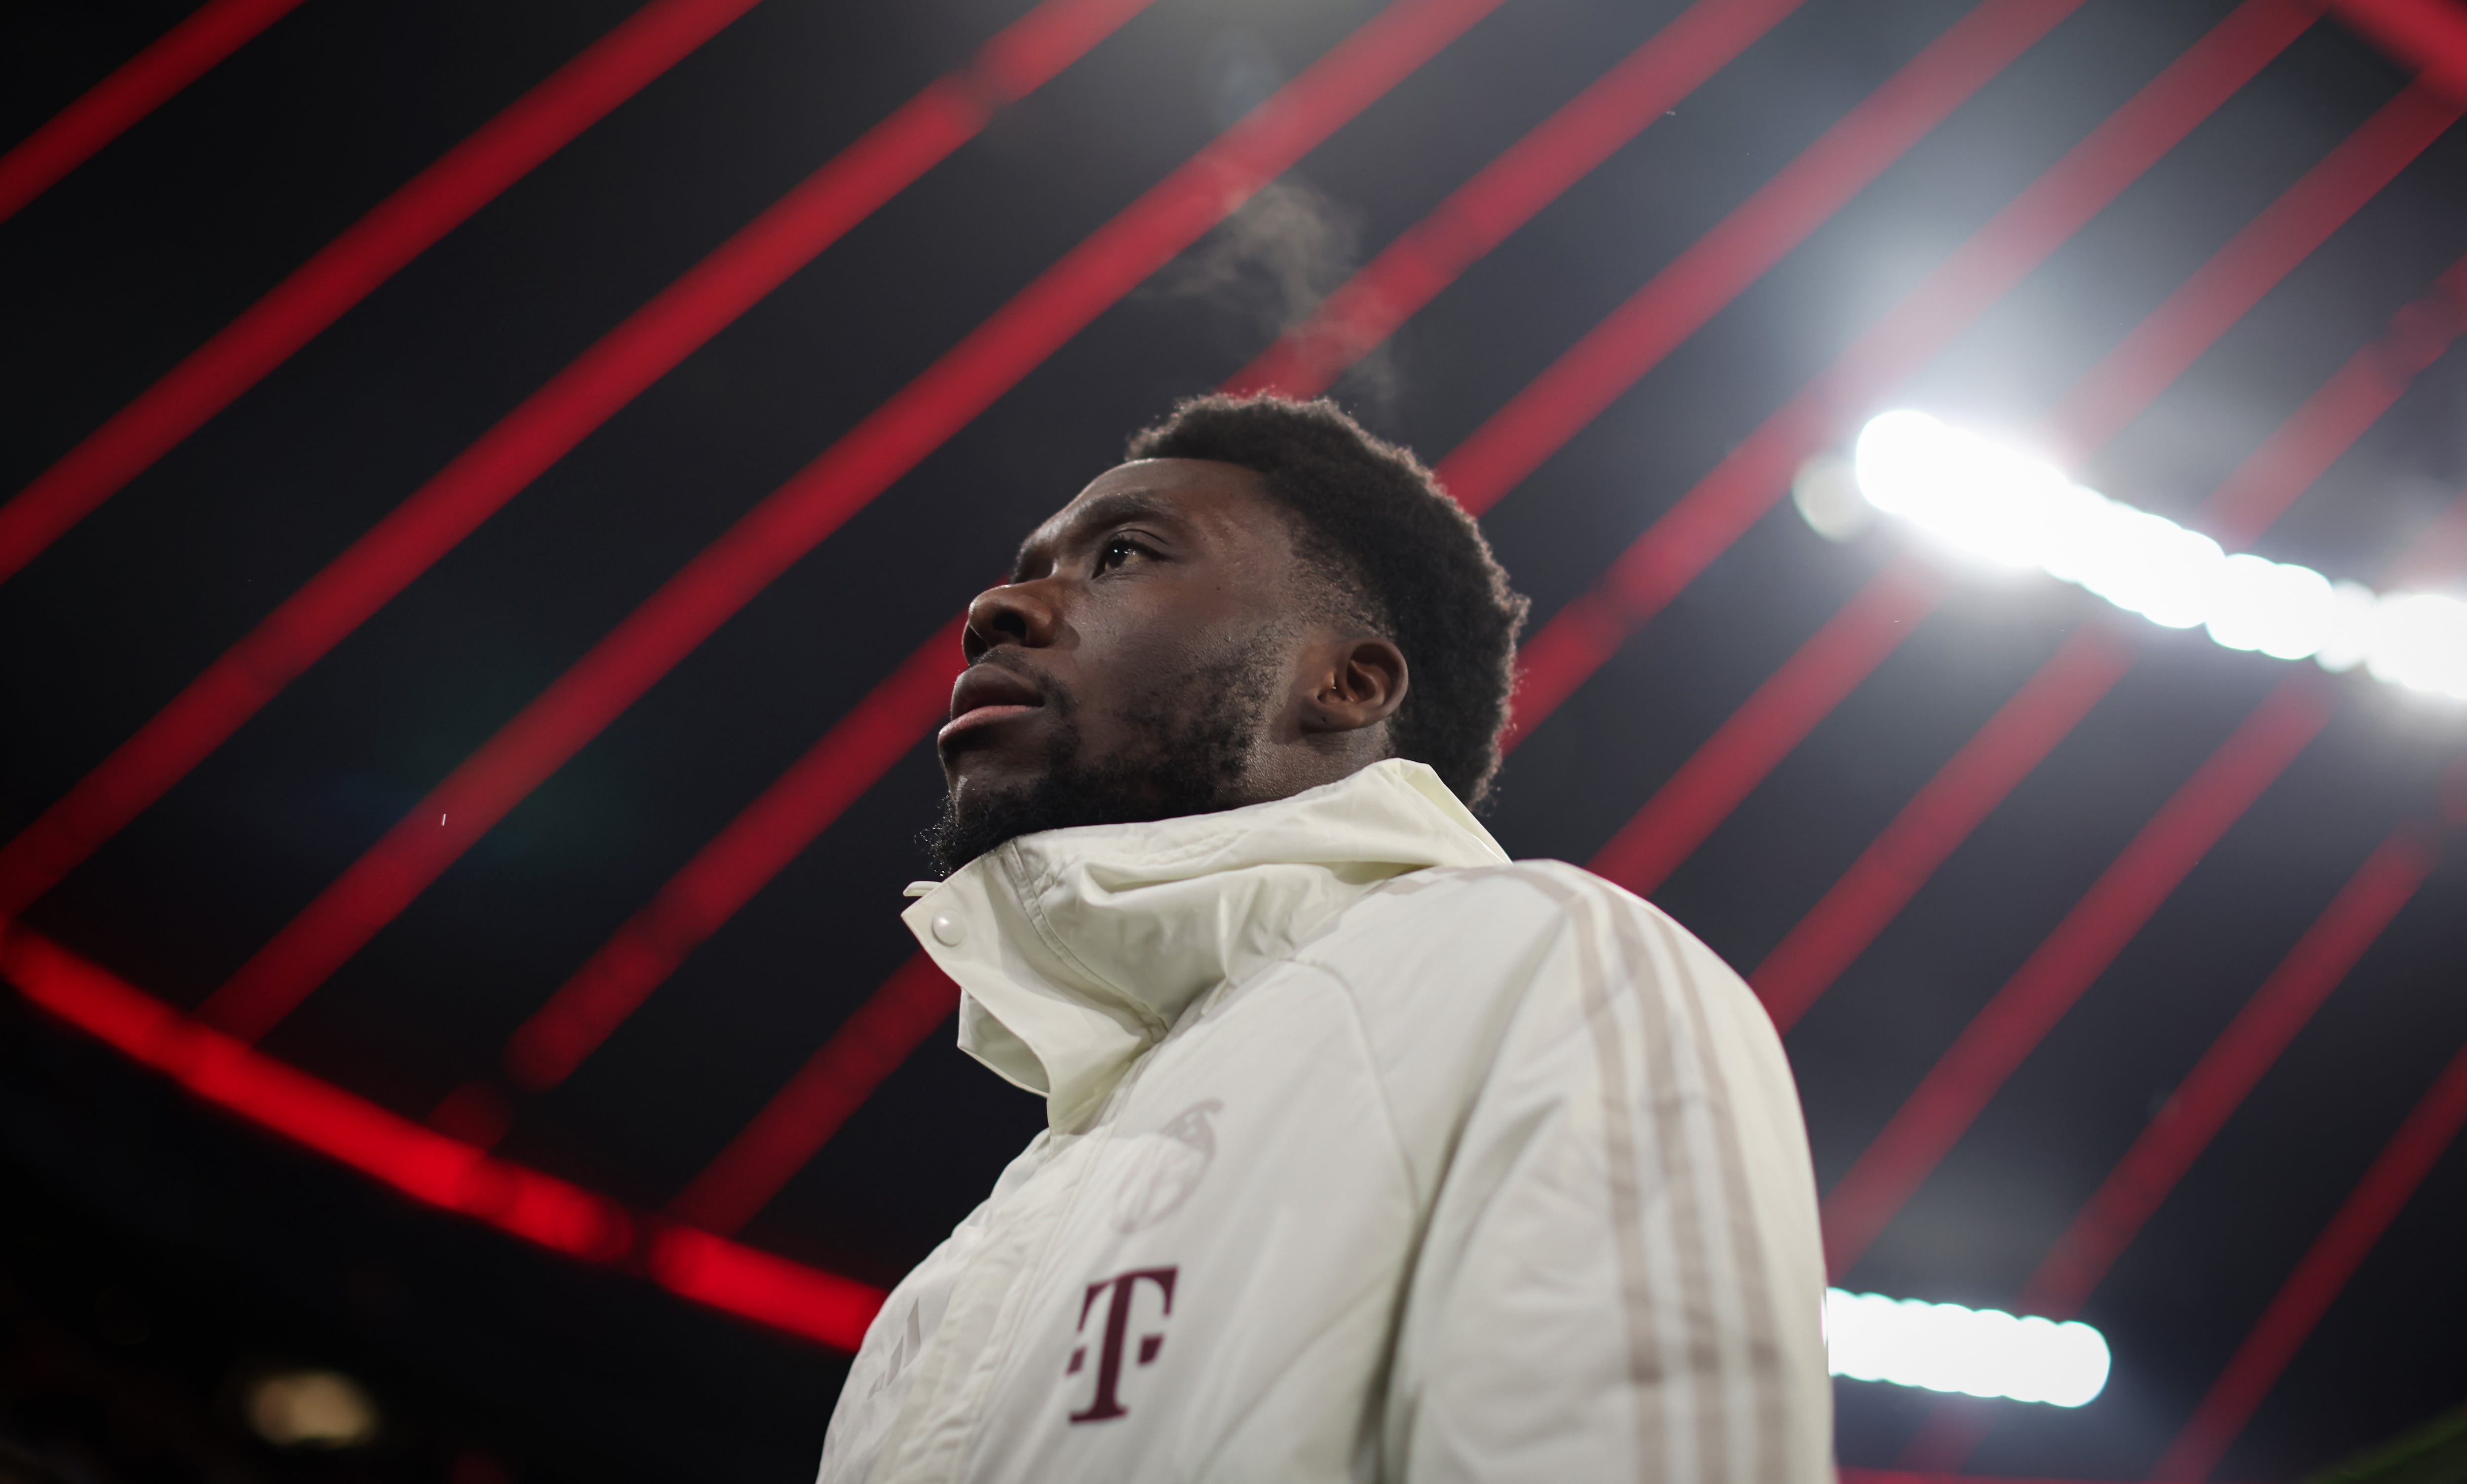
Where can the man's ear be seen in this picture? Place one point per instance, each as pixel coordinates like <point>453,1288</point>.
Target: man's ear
<point>1356,682</point>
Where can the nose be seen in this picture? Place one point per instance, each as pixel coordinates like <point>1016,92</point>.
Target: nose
<point>1016,613</point>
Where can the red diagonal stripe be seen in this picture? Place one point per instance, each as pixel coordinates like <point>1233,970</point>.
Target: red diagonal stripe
<point>2202,1106</point>
<point>2230,1069</point>
<point>1506,193</point>
<point>1727,501</point>
<point>1776,217</point>
<point>2331,420</point>
<point>768,1289</point>
<point>1778,717</point>
<point>1579,135</point>
<point>1938,818</point>
<point>794,518</point>
<point>1746,747</point>
<point>2165,345</point>
<point>2320,1276</point>
<point>350,268</point>
<point>724,875</point>
<point>2057,973</point>
<point>543,429</point>
<point>2430,36</point>
<point>1953,803</point>
<point>2380,887</point>
<point>136,88</point>
<point>867,1047</point>
<point>1678,301</point>
<point>2199,1108</point>
<point>424,1164</point>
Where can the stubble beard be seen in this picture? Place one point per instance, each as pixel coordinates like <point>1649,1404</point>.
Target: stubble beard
<point>1190,754</point>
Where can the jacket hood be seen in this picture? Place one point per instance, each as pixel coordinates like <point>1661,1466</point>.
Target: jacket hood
<point>1075,950</point>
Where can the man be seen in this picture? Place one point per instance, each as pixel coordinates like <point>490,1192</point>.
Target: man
<point>1371,1155</point>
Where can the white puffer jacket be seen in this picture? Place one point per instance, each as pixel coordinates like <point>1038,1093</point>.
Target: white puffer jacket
<point>1373,1156</point>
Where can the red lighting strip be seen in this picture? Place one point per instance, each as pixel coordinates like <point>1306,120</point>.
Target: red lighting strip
<point>2429,35</point>
<point>1721,507</point>
<point>2320,1275</point>
<point>1733,254</point>
<point>1755,739</point>
<point>1741,752</point>
<point>1758,232</point>
<point>426,1165</point>
<point>2230,1069</point>
<point>2162,346</point>
<point>1506,193</point>
<point>2201,1105</point>
<point>756,1285</point>
<point>1938,818</point>
<point>1992,763</point>
<point>136,88</point>
<point>790,521</point>
<point>350,268</point>
<point>723,875</point>
<point>543,429</point>
<point>2064,966</point>
<point>866,1049</point>
<point>2330,421</point>
<point>1678,301</point>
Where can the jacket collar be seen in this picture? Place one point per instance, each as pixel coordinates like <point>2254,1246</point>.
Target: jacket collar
<point>1075,950</point>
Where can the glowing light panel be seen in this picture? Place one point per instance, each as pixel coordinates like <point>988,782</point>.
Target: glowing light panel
<point>1977,1352</point>
<point>2010,508</point>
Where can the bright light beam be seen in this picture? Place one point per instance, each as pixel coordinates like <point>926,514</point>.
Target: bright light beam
<point>2008,509</point>
<point>1977,1352</point>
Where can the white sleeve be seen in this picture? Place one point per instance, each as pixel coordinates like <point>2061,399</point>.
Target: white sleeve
<point>1622,1277</point>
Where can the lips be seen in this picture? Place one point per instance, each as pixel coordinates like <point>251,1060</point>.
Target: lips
<point>986,695</point>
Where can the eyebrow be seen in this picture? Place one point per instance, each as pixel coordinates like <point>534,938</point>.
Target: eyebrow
<point>1105,510</point>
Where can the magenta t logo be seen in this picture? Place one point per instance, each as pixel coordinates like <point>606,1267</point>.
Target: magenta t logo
<point>1118,1325</point>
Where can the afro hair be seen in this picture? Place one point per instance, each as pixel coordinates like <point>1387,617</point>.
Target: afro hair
<point>1409,563</point>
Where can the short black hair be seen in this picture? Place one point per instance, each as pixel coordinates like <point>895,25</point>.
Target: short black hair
<point>1370,516</point>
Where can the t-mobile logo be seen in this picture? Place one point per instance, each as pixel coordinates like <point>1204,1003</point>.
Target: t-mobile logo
<point>1123,1288</point>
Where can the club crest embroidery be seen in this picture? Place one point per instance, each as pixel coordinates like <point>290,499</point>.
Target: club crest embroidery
<point>1167,1166</point>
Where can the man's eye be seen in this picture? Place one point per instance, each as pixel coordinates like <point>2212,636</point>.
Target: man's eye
<point>1119,552</point>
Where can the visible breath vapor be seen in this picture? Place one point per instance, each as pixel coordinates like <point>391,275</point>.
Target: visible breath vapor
<point>1270,264</point>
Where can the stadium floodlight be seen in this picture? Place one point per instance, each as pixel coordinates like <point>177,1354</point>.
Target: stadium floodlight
<point>2010,508</point>
<point>1976,1352</point>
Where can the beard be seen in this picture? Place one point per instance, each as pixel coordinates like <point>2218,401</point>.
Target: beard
<point>1189,753</point>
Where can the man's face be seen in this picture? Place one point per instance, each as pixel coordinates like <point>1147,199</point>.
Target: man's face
<point>1147,659</point>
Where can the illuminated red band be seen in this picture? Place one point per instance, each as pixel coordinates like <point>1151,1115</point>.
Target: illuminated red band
<point>136,88</point>
<point>543,429</point>
<point>867,1047</point>
<point>1504,194</point>
<point>1746,747</point>
<point>2199,1108</point>
<point>350,268</point>
<point>2021,734</point>
<point>2320,1276</point>
<point>1778,217</point>
<point>1719,509</point>
<point>1678,299</point>
<point>1949,1099</point>
<point>768,832</point>
<point>427,1165</point>
<point>841,481</point>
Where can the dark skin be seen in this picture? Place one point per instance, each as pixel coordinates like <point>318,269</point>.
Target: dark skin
<point>1158,569</point>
